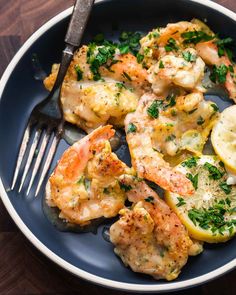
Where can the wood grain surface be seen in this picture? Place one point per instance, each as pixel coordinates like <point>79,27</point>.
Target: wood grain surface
<point>23,269</point>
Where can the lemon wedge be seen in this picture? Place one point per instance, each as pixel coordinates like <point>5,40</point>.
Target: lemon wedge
<point>223,137</point>
<point>210,213</point>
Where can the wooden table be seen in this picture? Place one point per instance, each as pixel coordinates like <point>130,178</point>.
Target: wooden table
<point>23,269</point>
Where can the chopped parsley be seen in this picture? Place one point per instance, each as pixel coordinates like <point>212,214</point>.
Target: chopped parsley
<point>102,51</point>
<point>223,47</point>
<point>171,45</point>
<point>225,187</point>
<point>181,202</point>
<point>213,218</point>
<point>98,56</point>
<point>153,35</point>
<point>153,109</point>
<point>125,75</point>
<point>149,199</point>
<point>193,179</point>
<point>200,120</point>
<point>192,111</point>
<point>131,128</point>
<point>171,100</point>
<point>188,56</point>
<point>215,107</point>
<point>139,57</point>
<point>120,85</point>
<point>191,162</point>
<point>129,42</point>
<point>79,73</point>
<point>219,73</point>
<point>171,137</point>
<point>196,37</point>
<point>161,65</point>
<point>214,172</point>
<point>125,187</point>
<point>81,180</point>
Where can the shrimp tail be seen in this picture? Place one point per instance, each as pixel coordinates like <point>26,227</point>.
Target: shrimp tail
<point>75,159</point>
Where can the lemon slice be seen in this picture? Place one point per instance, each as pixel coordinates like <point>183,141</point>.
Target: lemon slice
<point>223,137</point>
<point>210,213</point>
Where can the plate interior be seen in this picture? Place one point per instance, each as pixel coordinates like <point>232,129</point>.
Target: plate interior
<point>87,251</point>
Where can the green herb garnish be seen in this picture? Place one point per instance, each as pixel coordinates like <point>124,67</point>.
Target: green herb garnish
<point>219,74</point>
<point>171,45</point>
<point>214,172</point>
<point>222,46</point>
<point>149,199</point>
<point>170,137</point>
<point>125,187</point>
<point>196,37</point>
<point>153,109</point>
<point>171,100</point>
<point>200,120</point>
<point>81,180</point>
<point>126,76</point>
<point>131,128</point>
<point>79,73</point>
<point>129,42</point>
<point>215,107</point>
<point>140,57</point>
<point>191,162</point>
<point>188,56</point>
<point>213,218</point>
<point>225,187</point>
<point>161,65</point>
<point>98,56</point>
<point>181,202</point>
<point>193,179</point>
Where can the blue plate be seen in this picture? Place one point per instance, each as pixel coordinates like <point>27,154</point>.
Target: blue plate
<point>87,255</point>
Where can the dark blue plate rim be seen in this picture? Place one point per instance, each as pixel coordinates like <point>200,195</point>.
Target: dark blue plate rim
<point>170,286</point>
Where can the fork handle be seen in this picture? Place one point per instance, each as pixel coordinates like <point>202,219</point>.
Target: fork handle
<point>78,21</point>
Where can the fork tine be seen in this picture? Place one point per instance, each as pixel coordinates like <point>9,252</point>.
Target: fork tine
<point>30,157</point>
<point>39,158</point>
<point>48,161</point>
<point>21,153</point>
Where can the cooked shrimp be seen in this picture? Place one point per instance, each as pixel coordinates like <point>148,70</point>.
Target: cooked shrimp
<point>153,44</point>
<point>175,70</point>
<point>84,184</point>
<point>90,103</point>
<point>124,68</point>
<point>127,70</point>
<point>150,237</point>
<point>156,128</point>
<point>209,53</point>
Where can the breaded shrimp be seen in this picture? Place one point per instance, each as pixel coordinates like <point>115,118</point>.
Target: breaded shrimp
<point>166,127</point>
<point>150,237</point>
<point>84,185</point>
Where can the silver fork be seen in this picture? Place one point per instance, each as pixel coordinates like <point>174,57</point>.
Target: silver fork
<point>47,117</point>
